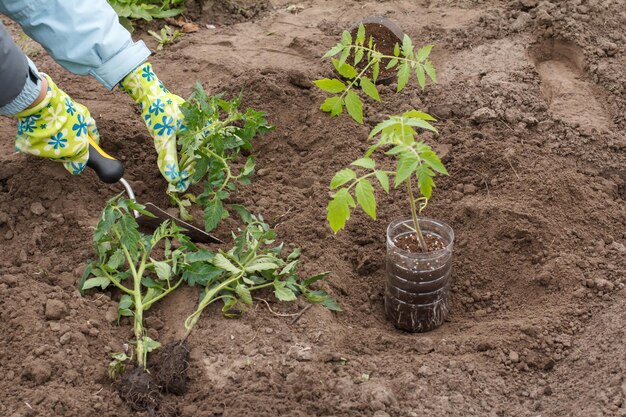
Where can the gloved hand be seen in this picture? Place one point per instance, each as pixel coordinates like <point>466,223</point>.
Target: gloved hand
<point>57,128</point>
<point>163,118</point>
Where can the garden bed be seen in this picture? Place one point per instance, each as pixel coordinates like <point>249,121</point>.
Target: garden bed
<point>531,109</point>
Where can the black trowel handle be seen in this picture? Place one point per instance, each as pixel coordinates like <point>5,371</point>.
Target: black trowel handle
<point>109,169</point>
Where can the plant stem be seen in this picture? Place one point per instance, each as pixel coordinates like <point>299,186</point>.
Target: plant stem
<point>418,230</point>
<point>138,318</point>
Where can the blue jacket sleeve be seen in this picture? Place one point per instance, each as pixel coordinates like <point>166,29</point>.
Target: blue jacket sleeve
<point>84,36</point>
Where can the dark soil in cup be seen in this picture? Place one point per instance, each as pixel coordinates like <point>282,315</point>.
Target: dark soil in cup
<point>410,243</point>
<point>173,363</point>
<point>384,41</point>
<point>140,390</point>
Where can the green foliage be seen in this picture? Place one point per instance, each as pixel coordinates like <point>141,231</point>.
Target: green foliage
<point>166,36</point>
<point>363,70</point>
<point>128,10</point>
<point>143,267</point>
<point>217,132</point>
<point>254,262</point>
<point>415,161</point>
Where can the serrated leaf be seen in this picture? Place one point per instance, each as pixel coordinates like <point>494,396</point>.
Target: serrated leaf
<point>367,163</point>
<point>396,50</point>
<point>383,178</point>
<point>375,71</point>
<point>213,214</point>
<point>261,266</point>
<point>116,259</point>
<point>150,344</point>
<point>312,280</point>
<point>101,282</point>
<point>201,273</point>
<point>424,52</point>
<point>418,115</point>
<point>333,51</point>
<point>425,181</point>
<point>392,63</point>
<point>432,160</point>
<point>407,164</point>
<point>346,38</point>
<point>201,255</point>
<point>382,125</point>
<point>282,292</point>
<point>430,70</point>
<point>360,35</point>
<point>222,262</point>
<point>419,123</point>
<point>407,46</point>
<point>330,85</point>
<point>358,56</point>
<point>404,72</point>
<point>354,106</point>
<point>333,105</point>
<point>162,269</point>
<point>421,76</point>
<point>244,294</point>
<point>346,70</point>
<point>342,177</point>
<point>248,167</point>
<point>289,268</point>
<point>364,192</point>
<point>344,57</point>
<point>369,88</point>
<point>338,210</point>
<point>331,304</point>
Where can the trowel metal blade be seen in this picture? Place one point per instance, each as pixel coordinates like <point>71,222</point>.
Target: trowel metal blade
<point>196,234</point>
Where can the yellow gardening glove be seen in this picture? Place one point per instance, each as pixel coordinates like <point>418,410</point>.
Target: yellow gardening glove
<point>163,118</point>
<point>57,128</point>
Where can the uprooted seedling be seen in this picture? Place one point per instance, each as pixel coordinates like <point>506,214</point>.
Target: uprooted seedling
<point>415,162</point>
<point>356,60</point>
<point>144,269</point>
<point>216,135</point>
<point>252,264</point>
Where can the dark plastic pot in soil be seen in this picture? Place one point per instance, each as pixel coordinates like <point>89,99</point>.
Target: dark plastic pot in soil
<point>417,294</point>
<point>386,35</point>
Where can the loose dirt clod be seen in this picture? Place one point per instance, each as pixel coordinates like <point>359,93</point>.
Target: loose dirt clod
<point>140,390</point>
<point>171,373</point>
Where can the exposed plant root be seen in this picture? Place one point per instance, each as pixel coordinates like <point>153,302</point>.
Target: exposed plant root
<point>140,390</point>
<point>171,373</point>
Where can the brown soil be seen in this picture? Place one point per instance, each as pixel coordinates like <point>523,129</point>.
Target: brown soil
<point>139,389</point>
<point>384,41</point>
<point>536,197</point>
<point>171,364</point>
<point>410,243</point>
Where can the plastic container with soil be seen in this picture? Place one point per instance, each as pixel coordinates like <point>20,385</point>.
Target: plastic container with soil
<point>417,293</point>
<point>386,34</point>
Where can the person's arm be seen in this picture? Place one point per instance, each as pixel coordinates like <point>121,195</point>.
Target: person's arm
<point>84,36</point>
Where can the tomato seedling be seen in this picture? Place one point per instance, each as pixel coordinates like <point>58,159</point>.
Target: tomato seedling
<point>216,134</point>
<point>253,263</point>
<point>366,58</point>
<point>415,162</point>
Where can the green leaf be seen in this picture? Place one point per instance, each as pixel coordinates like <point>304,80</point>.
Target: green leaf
<point>346,70</point>
<point>116,259</point>
<point>382,125</point>
<point>201,273</point>
<point>424,52</point>
<point>338,210</point>
<point>358,56</point>
<point>407,164</point>
<point>419,123</point>
<point>407,46</point>
<point>369,88</point>
<point>248,167</point>
<point>101,282</point>
<point>404,73</point>
<point>344,57</point>
<point>376,71</point>
<point>354,106</point>
<point>282,292</point>
<point>364,192</point>
<point>421,76</point>
<point>333,51</point>
<point>419,115</point>
<point>383,178</point>
<point>202,255</point>
<point>289,268</point>
<point>430,70</point>
<point>425,181</point>
<point>360,35</point>
<point>392,63</point>
<point>213,214</point>
<point>310,281</point>
<point>333,105</point>
<point>396,50</point>
<point>346,38</point>
<point>332,86</point>
<point>342,177</point>
<point>331,304</point>
<point>86,274</point>
<point>433,161</point>
<point>222,262</point>
<point>150,344</point>
<point>243,212</point>
<point>162,269</point>
<point>244,294</point>
<point>367,163</point>
<point>261,266</point>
